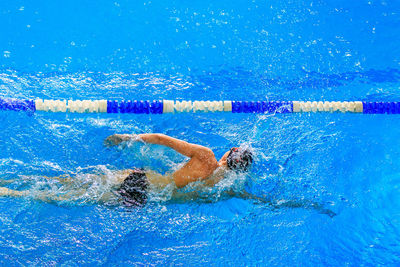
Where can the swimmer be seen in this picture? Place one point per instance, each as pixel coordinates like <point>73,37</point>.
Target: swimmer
<point>131,187</point>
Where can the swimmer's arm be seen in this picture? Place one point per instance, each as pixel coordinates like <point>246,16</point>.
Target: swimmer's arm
<point>305,204</point>
<point>180,146</point>
<point>116,139</point>
<point>246,195</point>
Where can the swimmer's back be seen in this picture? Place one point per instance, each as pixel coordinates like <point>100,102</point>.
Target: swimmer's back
<point>158,179</point>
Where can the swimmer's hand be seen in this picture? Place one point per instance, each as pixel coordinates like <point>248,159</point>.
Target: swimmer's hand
<point>116,139</point>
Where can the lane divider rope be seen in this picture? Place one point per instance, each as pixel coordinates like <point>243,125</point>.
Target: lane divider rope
<point>171,106</point>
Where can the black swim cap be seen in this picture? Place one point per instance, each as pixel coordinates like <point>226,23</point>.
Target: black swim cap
<point>239,159</point>
<point>133,189</point>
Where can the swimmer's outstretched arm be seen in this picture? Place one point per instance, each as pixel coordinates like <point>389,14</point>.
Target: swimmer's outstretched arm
<point>305,204</point>
<point>180,146</point>
<point>116,139</point>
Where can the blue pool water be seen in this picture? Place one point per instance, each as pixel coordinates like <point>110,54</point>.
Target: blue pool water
<point>204,50</point>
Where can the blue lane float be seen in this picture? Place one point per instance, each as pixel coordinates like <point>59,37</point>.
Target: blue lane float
<point>136,107</point>
<point>381,107</point>
<point>170,106</point>
<point>262,107</point>
<point>17,104</point>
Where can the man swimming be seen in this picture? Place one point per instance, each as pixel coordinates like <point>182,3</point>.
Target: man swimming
<point>132,186</point>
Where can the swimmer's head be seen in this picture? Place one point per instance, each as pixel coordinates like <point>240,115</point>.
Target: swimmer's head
<point>134,189</point>
<point>239,159</point>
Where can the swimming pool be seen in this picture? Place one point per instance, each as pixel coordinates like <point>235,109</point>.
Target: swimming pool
<point>259,50</point>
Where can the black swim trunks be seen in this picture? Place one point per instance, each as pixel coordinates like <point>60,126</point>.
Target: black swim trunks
<point>133,190</point>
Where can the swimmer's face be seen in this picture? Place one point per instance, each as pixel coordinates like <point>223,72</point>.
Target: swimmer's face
<point>239,159</point>
<point>223,161</point>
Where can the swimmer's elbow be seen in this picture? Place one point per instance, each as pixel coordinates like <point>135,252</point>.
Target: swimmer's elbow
<point>206,152</point>
<point>180,183</point>
<point>151,138</point>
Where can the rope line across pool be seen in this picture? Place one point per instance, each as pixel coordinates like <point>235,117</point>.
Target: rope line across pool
<point>171,106</point>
